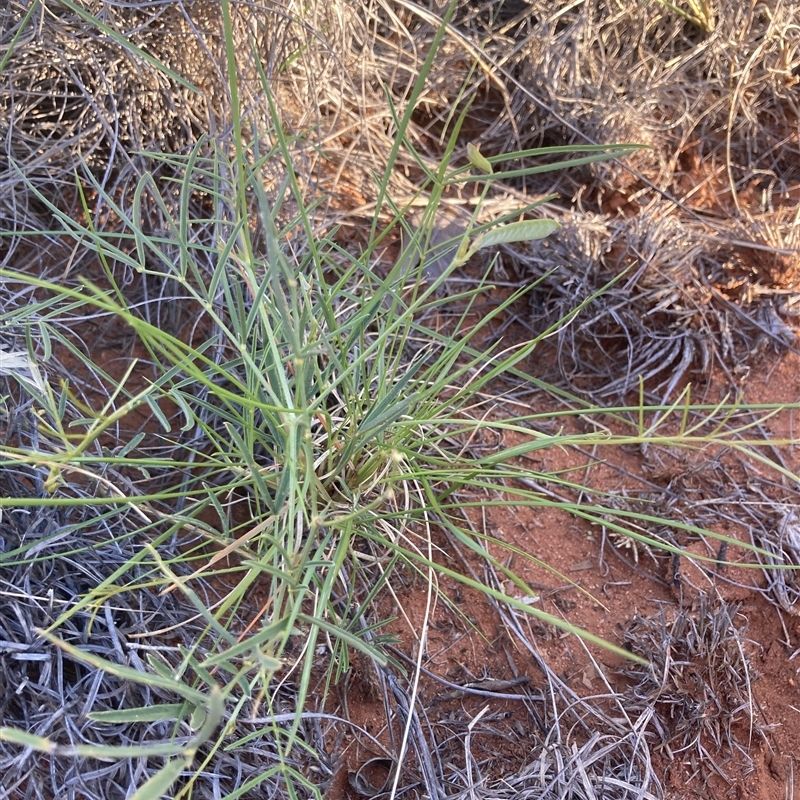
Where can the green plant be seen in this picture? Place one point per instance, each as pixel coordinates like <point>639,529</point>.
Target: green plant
<point>315,428</point>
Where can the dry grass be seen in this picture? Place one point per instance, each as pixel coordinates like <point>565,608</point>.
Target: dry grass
<point>697,685</point>
<point>104,106</point>
<point>708,244</point>
<point>697,236</point>
<point>704,248</point>
<point>780,537</point>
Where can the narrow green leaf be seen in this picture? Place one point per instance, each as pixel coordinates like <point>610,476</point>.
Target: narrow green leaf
<point>126,673</point>
<point>44,745</point>
<point>33,7</point>
<point>40,743</point>
<point>188,415</point>
<point>158,413</point>
<point>131,445</point>
<point>158,785</point>
<point>159,667</point>
<point>157,713</point>
<point>250,645</point>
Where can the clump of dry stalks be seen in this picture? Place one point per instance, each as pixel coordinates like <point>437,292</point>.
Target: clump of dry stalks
<point>780,537</point>
<point>697,684</point>
<point>686,254</point>
<point>91,103</point>
<point>49,559</point>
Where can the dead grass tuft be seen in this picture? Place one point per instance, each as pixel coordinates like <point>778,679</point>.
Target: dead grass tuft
<point>105,107</point>
<point>701,226</point>
<point>781,539</point>
<point>50,559</point>
<point>697,684</point>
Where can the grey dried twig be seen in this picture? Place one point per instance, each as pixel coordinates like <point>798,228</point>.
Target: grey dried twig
<point>780,537</point>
